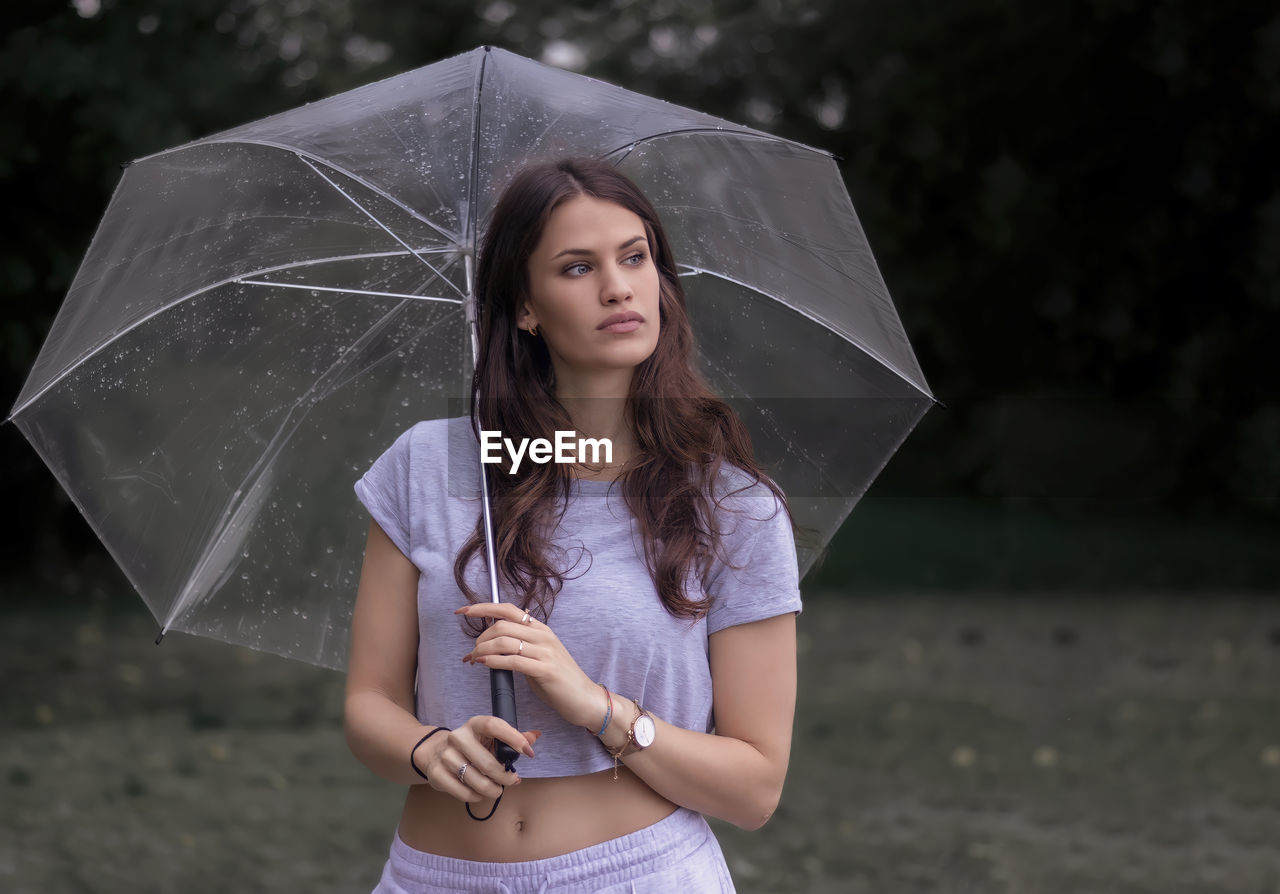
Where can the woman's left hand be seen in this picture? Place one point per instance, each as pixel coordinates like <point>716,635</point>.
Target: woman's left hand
<point>519,642</point>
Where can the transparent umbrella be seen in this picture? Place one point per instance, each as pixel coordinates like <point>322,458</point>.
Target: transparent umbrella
<point>262,311</point>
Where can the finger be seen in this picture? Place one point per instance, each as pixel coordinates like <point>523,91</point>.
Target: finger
<point>456,789</point>
<point>443,775</point>
<point>518,663</point>
<point>485,778</point>
<point>510,630</point>
<point>503,645</point>
<point>503,627</point>
<point>501,610</point>
<point>476,752</point>
<point>506,647</point>
<point>497,728</point>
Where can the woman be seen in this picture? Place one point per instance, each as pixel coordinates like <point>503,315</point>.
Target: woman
<point>650,600</point>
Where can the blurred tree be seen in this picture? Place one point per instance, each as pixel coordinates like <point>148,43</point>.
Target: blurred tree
<point>1075,204</point>
<point>1071,202</point>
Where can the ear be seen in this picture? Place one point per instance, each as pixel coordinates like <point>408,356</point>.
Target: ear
<point>525,318</point>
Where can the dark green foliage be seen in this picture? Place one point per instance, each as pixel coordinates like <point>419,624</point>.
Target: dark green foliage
<point>1075,205</point>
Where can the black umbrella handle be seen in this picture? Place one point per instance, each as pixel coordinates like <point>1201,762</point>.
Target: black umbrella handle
<point>502,692</point>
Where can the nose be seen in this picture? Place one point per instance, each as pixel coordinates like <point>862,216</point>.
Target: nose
<point>616,287</point>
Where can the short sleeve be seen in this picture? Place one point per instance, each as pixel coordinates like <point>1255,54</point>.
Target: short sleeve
<point>384,491</point>
<point>756,575</point>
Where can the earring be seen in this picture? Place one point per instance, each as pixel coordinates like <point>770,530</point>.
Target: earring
<point>533,330</point>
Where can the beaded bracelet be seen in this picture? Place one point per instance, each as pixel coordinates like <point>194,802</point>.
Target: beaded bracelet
<point>415,749</point>
<point>608,714</point>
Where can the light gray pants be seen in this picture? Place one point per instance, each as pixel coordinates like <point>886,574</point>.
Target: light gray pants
<point>676,854</point>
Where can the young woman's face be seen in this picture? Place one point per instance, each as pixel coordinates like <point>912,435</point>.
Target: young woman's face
<point>593,289</point>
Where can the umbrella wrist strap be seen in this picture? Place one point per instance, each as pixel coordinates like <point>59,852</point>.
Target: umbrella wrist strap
<point>492,809</point>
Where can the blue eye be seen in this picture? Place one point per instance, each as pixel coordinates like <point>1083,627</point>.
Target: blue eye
<point>637,258</point>
<point>577,269</point>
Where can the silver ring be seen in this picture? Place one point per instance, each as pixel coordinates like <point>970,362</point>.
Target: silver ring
<point>520,651</point>
<point>525,619</point>
<point>462,771</point>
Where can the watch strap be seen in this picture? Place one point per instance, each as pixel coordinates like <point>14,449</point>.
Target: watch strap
<point>630,744</point>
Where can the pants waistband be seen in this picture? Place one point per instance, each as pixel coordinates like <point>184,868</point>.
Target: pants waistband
<point>668,840</point>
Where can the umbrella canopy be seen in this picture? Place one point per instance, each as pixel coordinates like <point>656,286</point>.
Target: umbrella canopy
<point>262,311</point>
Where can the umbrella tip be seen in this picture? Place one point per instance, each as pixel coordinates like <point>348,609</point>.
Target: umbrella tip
<point>160,637</point>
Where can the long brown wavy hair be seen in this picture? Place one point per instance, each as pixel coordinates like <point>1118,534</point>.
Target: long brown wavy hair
<point>683,431</point>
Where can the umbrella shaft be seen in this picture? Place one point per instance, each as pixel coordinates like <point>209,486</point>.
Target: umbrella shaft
<point>473,328</point>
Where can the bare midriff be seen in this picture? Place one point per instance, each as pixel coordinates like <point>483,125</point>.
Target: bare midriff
<point>538,818</point>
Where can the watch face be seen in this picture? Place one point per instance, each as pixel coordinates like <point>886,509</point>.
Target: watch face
<point>645,731</point>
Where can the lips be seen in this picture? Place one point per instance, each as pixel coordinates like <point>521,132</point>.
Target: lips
<point>623,322</point>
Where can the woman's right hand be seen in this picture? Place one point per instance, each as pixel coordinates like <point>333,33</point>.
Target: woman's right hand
<point>472,743</point>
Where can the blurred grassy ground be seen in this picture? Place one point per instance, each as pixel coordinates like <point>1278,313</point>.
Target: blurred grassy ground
<point>976,741</point>
<point>939,543</point>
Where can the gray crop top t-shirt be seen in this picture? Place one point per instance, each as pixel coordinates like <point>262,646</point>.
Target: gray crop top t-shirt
<point>424,492</point>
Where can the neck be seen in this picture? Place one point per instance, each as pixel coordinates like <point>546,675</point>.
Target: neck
<point>597,406</point>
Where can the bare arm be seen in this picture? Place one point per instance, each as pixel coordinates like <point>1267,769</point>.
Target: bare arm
<point>735,774</point>
<point>379,721</point>
<point>380,725</point>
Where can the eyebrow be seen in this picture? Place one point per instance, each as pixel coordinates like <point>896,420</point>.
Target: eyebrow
<point>586,251</point>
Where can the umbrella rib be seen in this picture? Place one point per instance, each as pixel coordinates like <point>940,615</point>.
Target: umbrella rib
<point>309,163</point>
<point>874,354</point>
<point>176,236</point>
<point>818,258</point>
<point>303,154</point>
<point>261,271</point>
<point>537,141</point>
<point>427,182</point>
<point>703,131</point>
<point>374,364</point>
<point>298,285</point>
<point>334,259</point>
<point>294,265</point>
<point>251,493</point>
<point>765,414</point>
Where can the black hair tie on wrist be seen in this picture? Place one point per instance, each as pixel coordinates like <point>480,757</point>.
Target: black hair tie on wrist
<point>419,745</point>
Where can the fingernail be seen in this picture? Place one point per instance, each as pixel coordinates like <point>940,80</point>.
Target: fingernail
<point>528,751</point>
<point>479,661</point>
<point>458,611</point>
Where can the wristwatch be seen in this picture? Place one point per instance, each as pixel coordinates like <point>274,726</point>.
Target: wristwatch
<point>643,730</point>
<point>640,734</point>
